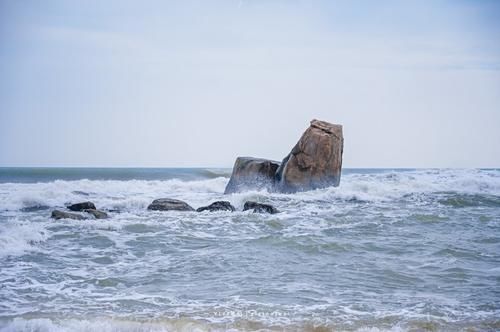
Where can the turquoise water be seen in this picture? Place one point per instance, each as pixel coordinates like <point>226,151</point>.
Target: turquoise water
<point>390,249</point>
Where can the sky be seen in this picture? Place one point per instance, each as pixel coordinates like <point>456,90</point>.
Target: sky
<point>123,83</point>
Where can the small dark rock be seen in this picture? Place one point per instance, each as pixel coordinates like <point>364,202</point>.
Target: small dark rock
<point>81,193</point>
<point>260,207</point>
<point>82,206</point>
<point>217,206</point>
<point>57,214</point>
<point>168,204</point>
<point>97,213</point>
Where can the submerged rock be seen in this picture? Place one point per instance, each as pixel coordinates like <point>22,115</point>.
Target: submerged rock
<point>260,207</point>
<point>82,206</point>
<point>57,214</point>
<point>35,208</point>
<point>97,213</point>
<point>169,204</point>
<point>81,193</point>
<point>217,206</point>
<point>252,174</point>
<point>315,161</point>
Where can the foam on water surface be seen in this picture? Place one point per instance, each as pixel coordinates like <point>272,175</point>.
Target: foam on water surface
<point>388,250</point>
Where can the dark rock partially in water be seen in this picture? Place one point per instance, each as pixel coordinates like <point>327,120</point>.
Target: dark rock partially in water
<point>315,162</point>
<point>169,204</point>
<point>260,207</point>
<point>81,193</point>
<point>82,206</point>
<point>217,206</point>
<point>57,214</point>
<point>97,213</point>
<point>252,174</point>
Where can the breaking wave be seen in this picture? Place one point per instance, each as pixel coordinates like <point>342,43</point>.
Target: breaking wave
<point>472,187</point>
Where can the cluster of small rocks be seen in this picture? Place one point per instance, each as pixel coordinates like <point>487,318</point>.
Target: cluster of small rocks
<point>87,207</point>
<point>161,204</point>
<point>169,204</point>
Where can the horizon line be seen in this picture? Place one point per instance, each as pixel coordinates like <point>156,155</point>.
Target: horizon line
<point>230,167</point>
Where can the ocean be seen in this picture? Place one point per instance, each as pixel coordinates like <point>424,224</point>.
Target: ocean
<point>387,250</point>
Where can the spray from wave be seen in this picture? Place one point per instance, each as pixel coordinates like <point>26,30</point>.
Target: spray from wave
<point>137,194</point>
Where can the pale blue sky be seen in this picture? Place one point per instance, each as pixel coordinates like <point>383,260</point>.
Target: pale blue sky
<point>197,83</point>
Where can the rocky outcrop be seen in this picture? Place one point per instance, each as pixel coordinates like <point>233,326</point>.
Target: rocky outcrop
<point>97,213</point>
<point>217,206</point>
<point>57,214</point>
<point>260,207</point>
<point>169,204</point>
<point>82,206</point>
<point>315,162</point>
<point>252,174</point>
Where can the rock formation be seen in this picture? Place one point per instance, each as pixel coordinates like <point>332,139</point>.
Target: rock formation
<point>57,214</point>
<point>315,162</point>
<point>82,206</point>
<point>98,214</point>
<point>259,207</point>
<point>168,204</point>
<point>217,206</point>
<point>252,173</point>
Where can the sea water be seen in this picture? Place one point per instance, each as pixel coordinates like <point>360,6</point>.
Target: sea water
<point>389,249</point>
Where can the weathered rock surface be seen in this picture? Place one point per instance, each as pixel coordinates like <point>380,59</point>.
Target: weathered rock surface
<point>57,214</point>
<point>217,206</point>
<point>82,206</point>
<point>252,174</point>
<point>97,213</point>
<point>169,204</point>
<point>315,161</point>
<point>259,207</point>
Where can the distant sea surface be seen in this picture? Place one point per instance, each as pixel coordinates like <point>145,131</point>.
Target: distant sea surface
<point>387,250</point>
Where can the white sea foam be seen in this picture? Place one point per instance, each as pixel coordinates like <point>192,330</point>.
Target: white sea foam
<point>132,194</point>
<point>184,324</point>
<point>327,255</point>
<point>137,194</point>
<point>395,184</point>
<point>18,236</point>
<point>101,325</point>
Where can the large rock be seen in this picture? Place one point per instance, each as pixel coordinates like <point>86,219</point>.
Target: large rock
<point>252,174</point>
<point>169,204</point>
<point>82,206</point>
<point>57,214</point>
<point>217,206</point>
<point>315,161</point>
